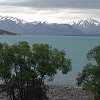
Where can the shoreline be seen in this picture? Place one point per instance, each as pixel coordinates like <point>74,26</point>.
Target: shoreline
<point>64,92</point>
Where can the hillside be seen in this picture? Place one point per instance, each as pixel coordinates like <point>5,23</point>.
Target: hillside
<point>4,32</point>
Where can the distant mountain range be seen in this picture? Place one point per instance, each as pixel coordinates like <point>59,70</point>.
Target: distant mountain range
<point>81,27</point>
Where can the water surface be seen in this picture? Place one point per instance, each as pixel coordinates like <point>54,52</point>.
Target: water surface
<point>76,48</point>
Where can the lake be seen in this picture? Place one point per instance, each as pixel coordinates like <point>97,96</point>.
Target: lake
<point>76,48</point>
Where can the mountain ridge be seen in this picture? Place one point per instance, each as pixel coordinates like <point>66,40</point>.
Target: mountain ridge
<point>79,28</point>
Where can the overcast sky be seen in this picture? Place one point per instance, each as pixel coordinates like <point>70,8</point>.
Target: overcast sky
<point>60,11</point>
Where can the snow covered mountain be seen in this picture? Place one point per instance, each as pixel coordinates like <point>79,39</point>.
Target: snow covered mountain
<point>88,26</point>
<point>36,28</point>
<point>81,27</point>
<point>12,24</point>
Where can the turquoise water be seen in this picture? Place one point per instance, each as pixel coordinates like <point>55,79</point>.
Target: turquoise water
<point>76,48</point>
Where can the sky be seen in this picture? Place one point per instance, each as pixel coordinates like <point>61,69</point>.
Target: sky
<point>52,11</point>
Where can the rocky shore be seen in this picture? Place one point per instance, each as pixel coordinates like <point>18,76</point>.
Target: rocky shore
<point>61,92</point>
<point>57,92</point>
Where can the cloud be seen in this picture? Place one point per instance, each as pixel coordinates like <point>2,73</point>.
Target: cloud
<point>54,16</point>
<point>51,10</point>
<point>47,4</point>
<point>14,9</point>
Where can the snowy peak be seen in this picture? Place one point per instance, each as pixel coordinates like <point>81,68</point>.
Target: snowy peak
<point>86,22</point>
<point>14,19</point>
<point>88,26</point>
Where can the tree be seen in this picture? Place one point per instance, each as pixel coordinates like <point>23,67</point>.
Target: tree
<point>89,78</point>
<point>23,69</point>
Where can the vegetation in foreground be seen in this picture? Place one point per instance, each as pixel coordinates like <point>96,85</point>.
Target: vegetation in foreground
<point>89,78</point>
<point>23,69</point>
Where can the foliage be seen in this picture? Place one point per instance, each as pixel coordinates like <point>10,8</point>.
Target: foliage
<point>23,69</point>
<point>89,78</point>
